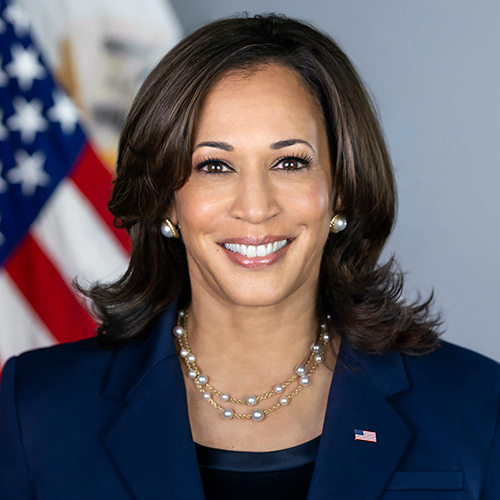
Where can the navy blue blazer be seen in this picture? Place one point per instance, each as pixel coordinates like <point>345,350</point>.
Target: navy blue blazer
<point>79,422</point>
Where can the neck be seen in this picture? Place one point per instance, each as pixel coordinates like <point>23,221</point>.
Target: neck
<point>248,348</point>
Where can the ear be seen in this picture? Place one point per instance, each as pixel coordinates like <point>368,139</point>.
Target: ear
<point>339,206</point>
<point>171,213</point>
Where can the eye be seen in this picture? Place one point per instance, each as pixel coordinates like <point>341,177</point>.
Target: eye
<point>212,166</point>
<point>293,163</point>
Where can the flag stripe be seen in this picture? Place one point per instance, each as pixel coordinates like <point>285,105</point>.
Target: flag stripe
<point>360,435</point>
<point>94,180</point>
<point>76,239</point>
<point>22,329</point>
<point>54,190</point>
<point>68,321</point>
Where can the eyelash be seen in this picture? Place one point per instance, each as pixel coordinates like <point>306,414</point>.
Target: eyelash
<point>299,158</point>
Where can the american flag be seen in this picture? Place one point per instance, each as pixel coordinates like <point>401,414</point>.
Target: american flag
<point>53,194</point>
<point>360,435</point>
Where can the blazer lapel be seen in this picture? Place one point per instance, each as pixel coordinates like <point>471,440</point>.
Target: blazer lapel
<point>151,441</point>
<point>353,469</point>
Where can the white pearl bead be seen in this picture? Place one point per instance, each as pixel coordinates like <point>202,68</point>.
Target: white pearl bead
<point>166,231</point>
<point>323,326</point>
<point>206,396</point>
<point>316,348</point>
<point>183,353</point>
<point>328,317</point>
<point>257,415</point>
<point>228,413</point>
<point>224,397</point>
<point>181,314</point>
<point>300,370</point>
<point>202,379</point>
<point>318,358</point>
<point>192,374</point>
<point>251,400</point>
<point>178,331</point>
<point>191,358</point>
<point>326,337</point>
<point>304,380</point>
<point>340,224</point>
<point>278,389</point>
<point>284,401</point>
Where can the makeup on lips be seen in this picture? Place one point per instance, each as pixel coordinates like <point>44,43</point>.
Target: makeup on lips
<point>256,253</point>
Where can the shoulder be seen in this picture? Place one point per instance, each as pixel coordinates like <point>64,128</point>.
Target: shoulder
<point>69,358</point>
<point>61,352</point>
<point>63,370</point>
<point>84,369</point>
<point>452,365</point>
<point>455,385</point>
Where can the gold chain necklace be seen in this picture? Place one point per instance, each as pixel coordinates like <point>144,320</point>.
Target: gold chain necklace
<point>302,373</point>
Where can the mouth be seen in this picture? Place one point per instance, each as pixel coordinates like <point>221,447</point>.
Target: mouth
<point>256,252</point>
<point>252,251</point>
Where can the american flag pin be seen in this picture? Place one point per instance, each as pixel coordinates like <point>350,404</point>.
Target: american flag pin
<point>365,436</point>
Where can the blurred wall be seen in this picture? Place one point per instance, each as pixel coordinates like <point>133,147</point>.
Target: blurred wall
<point>433,68</point>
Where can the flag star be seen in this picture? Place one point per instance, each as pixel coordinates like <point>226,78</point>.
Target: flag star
<point>3,182</point>
<point>64,112</point>
<point>4,131</point>
<point>28,119</point>
<point>16,15</point>
<point>4,79</point>
<point>28,171</point>
<point>25,66</point>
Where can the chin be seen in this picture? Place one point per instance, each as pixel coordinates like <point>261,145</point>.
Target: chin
<point>257,296</point>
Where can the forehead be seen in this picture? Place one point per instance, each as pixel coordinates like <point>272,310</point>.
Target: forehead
<point>271,99</point>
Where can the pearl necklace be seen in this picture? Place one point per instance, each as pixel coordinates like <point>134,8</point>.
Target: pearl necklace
<point>302,372</point>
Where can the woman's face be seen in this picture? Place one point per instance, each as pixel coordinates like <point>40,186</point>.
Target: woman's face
<point>254,214</point>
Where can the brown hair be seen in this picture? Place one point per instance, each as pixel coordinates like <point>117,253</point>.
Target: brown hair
<point>362,298</point>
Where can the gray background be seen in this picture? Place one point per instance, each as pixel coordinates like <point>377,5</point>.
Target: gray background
<point>433,69</point>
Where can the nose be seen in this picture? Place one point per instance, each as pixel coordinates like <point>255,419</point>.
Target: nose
<point>255,199</point>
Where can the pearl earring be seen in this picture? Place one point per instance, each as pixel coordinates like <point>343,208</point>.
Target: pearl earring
<point>338,224</point>
<point>169,230</point>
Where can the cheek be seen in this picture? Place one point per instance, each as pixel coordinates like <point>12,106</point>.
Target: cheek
<point>198,210</point>
<point>311,203</point>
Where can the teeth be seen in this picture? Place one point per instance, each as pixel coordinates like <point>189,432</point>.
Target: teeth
<point>256,251</point>
<point>261,251</point>
<point>251,251</point>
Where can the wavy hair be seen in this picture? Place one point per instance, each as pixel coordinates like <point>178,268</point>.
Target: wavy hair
<point>362,299</point>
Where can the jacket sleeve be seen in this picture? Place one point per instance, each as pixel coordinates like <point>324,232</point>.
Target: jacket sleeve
<point>491,489</point>
<point>14,480</point>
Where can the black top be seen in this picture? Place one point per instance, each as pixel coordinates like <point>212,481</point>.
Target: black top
<point>267,475</point>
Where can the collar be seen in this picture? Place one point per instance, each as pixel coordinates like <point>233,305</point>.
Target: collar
<point>153,435</point>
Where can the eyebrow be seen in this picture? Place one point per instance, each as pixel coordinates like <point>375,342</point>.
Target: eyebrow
<point>290,142</point>
<point>275,145</point>
<point>214,144</point>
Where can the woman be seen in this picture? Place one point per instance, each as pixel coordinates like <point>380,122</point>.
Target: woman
<point>254,348</point>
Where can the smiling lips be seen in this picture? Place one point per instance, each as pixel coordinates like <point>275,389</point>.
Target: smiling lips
<point>262,253</point>
<point>256,251</point>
